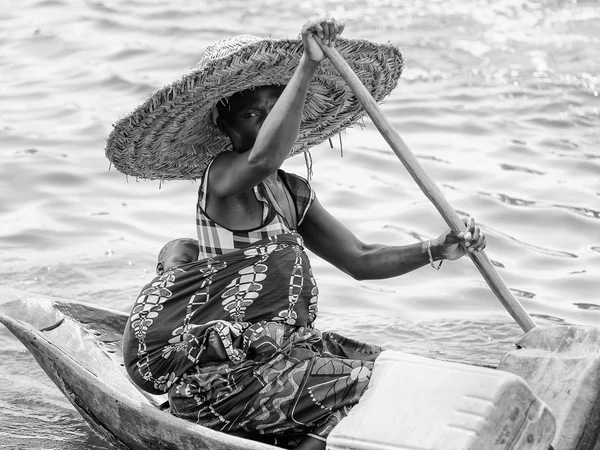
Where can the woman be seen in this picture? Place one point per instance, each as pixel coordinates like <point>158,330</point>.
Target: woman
<point>253,285</point>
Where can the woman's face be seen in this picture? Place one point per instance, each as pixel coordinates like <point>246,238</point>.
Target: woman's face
<point>244,113</point>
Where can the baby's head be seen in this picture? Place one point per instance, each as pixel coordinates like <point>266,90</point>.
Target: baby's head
<point>175,253</point>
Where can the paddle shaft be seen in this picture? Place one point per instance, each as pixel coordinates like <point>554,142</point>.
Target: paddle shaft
<point>429,188</point>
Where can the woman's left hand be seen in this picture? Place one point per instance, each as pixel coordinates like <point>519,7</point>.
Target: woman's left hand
<point>448,244</point>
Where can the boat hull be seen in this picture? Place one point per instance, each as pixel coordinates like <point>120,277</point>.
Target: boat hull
<point>78,346</point>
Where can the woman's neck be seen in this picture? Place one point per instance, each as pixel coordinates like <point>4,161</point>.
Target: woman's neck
<point>272,177</point>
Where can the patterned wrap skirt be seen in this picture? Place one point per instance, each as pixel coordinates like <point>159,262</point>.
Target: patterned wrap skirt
<point>282,377</point>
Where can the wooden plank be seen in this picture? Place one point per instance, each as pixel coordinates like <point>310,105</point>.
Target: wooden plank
<point>562,366</point>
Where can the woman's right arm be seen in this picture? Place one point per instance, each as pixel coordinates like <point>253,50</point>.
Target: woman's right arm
<point>235,173</point>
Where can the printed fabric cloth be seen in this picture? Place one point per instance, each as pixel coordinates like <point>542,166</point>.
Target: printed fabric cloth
<point>282,376</point>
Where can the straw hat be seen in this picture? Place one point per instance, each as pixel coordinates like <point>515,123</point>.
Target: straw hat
<point>172,134</point>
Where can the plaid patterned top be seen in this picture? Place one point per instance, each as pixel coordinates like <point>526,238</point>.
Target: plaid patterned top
<point>214,239</point>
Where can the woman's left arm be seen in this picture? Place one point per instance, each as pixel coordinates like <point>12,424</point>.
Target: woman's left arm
<point>331,240</point>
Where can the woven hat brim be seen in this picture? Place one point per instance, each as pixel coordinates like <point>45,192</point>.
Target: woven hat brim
<point>172,136</point>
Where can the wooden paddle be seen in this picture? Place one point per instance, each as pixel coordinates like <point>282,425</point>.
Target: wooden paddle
<point>427,185</point>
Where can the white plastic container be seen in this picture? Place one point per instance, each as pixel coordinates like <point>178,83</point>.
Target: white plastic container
<point>417,403</point>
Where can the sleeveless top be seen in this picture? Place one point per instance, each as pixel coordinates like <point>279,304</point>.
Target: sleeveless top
<point>214,239</point>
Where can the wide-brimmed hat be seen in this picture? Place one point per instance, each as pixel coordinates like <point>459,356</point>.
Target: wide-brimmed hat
<point>172,134</point>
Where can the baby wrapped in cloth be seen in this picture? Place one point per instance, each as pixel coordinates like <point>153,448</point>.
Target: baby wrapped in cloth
<point>281,378</point>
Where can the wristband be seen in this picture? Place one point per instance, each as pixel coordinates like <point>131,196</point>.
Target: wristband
<point>431,256</point>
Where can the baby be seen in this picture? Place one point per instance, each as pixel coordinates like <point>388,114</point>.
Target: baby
<point>177,253</point>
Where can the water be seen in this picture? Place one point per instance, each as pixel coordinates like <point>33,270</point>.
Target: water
<point>499,101</point>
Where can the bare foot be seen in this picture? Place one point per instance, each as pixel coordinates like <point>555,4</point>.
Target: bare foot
<point>215,350</point>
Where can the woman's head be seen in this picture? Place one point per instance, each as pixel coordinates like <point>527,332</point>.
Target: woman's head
<point>241,116</point>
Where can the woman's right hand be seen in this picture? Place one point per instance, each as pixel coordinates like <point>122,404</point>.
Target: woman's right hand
<point>327,29</point>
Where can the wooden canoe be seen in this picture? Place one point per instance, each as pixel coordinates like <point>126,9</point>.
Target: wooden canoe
<point>79,346</point>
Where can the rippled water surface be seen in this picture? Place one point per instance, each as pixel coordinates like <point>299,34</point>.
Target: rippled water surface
<point>499,100</point>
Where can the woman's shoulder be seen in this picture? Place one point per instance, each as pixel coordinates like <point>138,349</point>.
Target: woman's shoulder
<point>300,190</point>
<point>294,182</point>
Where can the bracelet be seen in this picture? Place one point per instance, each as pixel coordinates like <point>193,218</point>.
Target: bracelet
<point>431,256</point>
